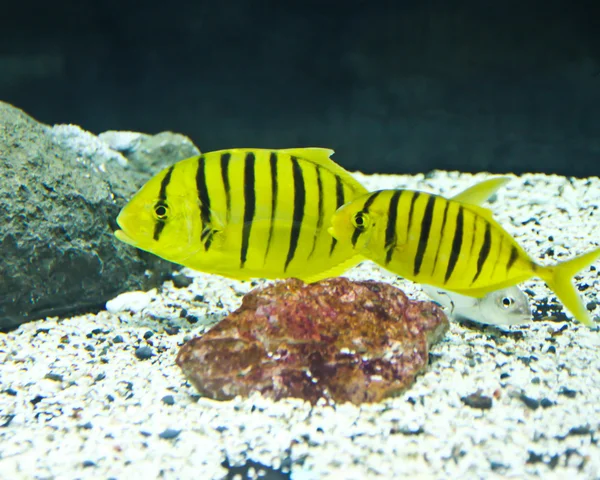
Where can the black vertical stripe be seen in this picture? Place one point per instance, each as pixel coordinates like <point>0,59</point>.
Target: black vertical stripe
<point>424,236</point>
<point>249,205</point>
<point>410,212</point>
<point>456,244</point>
<point>483,252</point>
<point>514,254</point>
<point>202,192</point>
<point>498,256</point>
<point>298,215</point>
<point>474,235</point>
<point>225,176</point>
<point>339,201</point>
<point>320,213</point>
<point>273,160</point>
<point>162,194</point>
<point>390,228</point>
<point>162,197</point>
<point>365,210</point>
<point>442,231</point>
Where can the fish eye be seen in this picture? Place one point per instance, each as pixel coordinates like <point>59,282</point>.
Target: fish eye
<point>507,301</point>
<point>161,210</point>
<point>360,220</point>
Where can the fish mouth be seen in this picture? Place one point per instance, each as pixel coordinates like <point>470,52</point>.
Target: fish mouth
<point>516,320</point>
<point>525,318</point>
<point>121,235</point>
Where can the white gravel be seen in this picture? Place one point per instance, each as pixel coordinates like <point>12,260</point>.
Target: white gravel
<point>76,400</point>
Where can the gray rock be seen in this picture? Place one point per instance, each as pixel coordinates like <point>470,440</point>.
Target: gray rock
<point>59,197</point>
<point>149,154</point>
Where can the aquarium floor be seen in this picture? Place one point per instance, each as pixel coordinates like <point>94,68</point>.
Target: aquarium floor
<point>79,399</point>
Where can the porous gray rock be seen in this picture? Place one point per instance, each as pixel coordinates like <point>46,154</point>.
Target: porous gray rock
<point>149,154</point>
<point>59,197</point>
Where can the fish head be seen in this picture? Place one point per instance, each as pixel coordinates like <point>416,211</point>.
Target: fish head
<point>159,225</point>
<point>508,306</point>
<point>353,224</point>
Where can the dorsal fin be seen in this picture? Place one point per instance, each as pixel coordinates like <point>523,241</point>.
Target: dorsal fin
<point>481,211</point>
<point>475,195</point>
<point>480,192</point>
<point>320,156</point>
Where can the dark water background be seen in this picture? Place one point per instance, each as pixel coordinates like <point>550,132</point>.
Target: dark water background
<point>392,86</point>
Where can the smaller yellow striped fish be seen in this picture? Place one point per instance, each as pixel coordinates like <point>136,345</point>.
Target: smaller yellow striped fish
<point>245,213</point>
<point>454,244</point>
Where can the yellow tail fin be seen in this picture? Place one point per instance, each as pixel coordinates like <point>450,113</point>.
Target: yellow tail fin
<point>559,279</point>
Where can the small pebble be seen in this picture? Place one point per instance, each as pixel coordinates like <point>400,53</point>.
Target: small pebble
<point>580,430</point>
<point>118,339</point>
<point>181,281</point>
<point>172,330</point>
<point>148,334</point>
<point>144,353</point>
<point>477,400</point>
<point>130,301</point>
<point>496,466</point>
<point>546,403</point>
<point>54,376</point>
<point>7,420</point>
<point>88,463</point>
<point>567,392</point>
<point>169,434</point>
<point>529,402</point>
<point>168,400</point>
<point>591,305</point>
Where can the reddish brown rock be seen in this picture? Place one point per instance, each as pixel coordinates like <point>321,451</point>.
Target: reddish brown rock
<point>336,339</point>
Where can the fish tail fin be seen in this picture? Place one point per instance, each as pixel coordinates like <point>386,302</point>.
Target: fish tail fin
<point>560,280</point>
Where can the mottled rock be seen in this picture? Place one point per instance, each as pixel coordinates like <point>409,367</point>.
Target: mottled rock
<point>335,339</point>
<point>60,192</point>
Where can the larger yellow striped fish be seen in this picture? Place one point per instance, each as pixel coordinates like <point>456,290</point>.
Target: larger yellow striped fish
<point>452,243</point>
<point>245,213</point>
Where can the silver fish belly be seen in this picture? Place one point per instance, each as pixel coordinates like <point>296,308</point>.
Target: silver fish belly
<point>508,306</point>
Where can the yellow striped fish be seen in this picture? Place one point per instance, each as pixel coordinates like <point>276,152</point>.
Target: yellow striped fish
<point>245,213</point>
<point>452,243</point>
